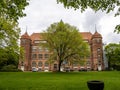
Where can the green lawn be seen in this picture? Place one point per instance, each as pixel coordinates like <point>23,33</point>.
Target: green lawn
<point>56,81</point>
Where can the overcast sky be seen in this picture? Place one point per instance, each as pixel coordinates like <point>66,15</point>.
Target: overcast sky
<point>42,13</point>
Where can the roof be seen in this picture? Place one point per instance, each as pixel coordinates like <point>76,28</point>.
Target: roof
<point>96,35</point>
<point>25,35</point>
<point>86,35</point>
<point>36,36</point>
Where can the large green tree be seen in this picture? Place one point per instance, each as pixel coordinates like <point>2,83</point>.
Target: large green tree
<point>65,43</point>
<point>96,5</point>
<point>9,35</point>
<point>10,12</point>
<point>112,52</point>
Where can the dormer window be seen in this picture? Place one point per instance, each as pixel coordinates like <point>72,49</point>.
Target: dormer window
<point>43,41</point>
<point>37,41</point>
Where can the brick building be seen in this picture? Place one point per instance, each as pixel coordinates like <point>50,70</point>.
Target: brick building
<point>37,57</point>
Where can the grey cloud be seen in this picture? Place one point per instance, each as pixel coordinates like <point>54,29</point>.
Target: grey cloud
<point>92,19</point>
<point>112,38</point>
<point>40,14</point>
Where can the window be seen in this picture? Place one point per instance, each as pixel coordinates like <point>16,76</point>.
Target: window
<point>88,63</point>
<point>99,62</point>
<point>98,56</point>
<point>46,64</point>
<point>46,50</point>
<point>98,49</point>
<point>99,59</point>
<point>34,48</point>
<point>40,64</point>
<point>40,49</point>
<point>46,56</point>
<point>37,41</point>
<point>42,41</point>
<point>98,40</point>
<point>40,56</point>
<point>34,64</point>
<point>34,56</point>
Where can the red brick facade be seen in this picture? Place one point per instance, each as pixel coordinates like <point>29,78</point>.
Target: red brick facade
<point>37,57</point>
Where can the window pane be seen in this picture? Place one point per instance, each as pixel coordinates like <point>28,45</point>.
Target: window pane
<point>34,56</point>
<point>40,56</point>
<point>40,64</point>
<point>46,64</point>
<point>46,56</point>
<point>46,50</point>
<point>34,64</point>
<point>98,49</point>
<point>34,49</point>
<point>40,49</point>
<point>37,41</point>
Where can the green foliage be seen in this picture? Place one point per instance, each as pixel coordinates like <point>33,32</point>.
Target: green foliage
<point>96,5</point>
<point>104,5</point>
<point>117,29</point>
<point>10,12</point>
<point>12,9</point>
<point>113,55</point>
<point>8,57</point>
<point>21,54</point>
<point>10,68</point>
<point>9,33</point>
<point>65,42</point>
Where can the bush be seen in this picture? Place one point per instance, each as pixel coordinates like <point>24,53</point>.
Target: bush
<point>118,68</point>
<point>10,68</point>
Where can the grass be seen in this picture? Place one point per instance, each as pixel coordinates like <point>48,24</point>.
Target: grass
<point>57,81</point>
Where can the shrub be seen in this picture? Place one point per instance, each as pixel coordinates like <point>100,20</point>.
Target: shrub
<point>10,68</point>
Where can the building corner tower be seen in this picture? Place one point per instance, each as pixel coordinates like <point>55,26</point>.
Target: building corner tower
<point>25,43</point>
<point>97,51</point>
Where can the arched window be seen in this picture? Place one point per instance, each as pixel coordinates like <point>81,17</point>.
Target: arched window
<point>40,64</point>
<point>34,64</point>
<point>46,64</point>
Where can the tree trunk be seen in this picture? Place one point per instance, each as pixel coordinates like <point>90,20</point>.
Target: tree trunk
<point>59,65</point>
<point>109,66</point>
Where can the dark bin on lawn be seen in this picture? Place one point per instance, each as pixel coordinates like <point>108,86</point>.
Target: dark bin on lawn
<point>95,85</point>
